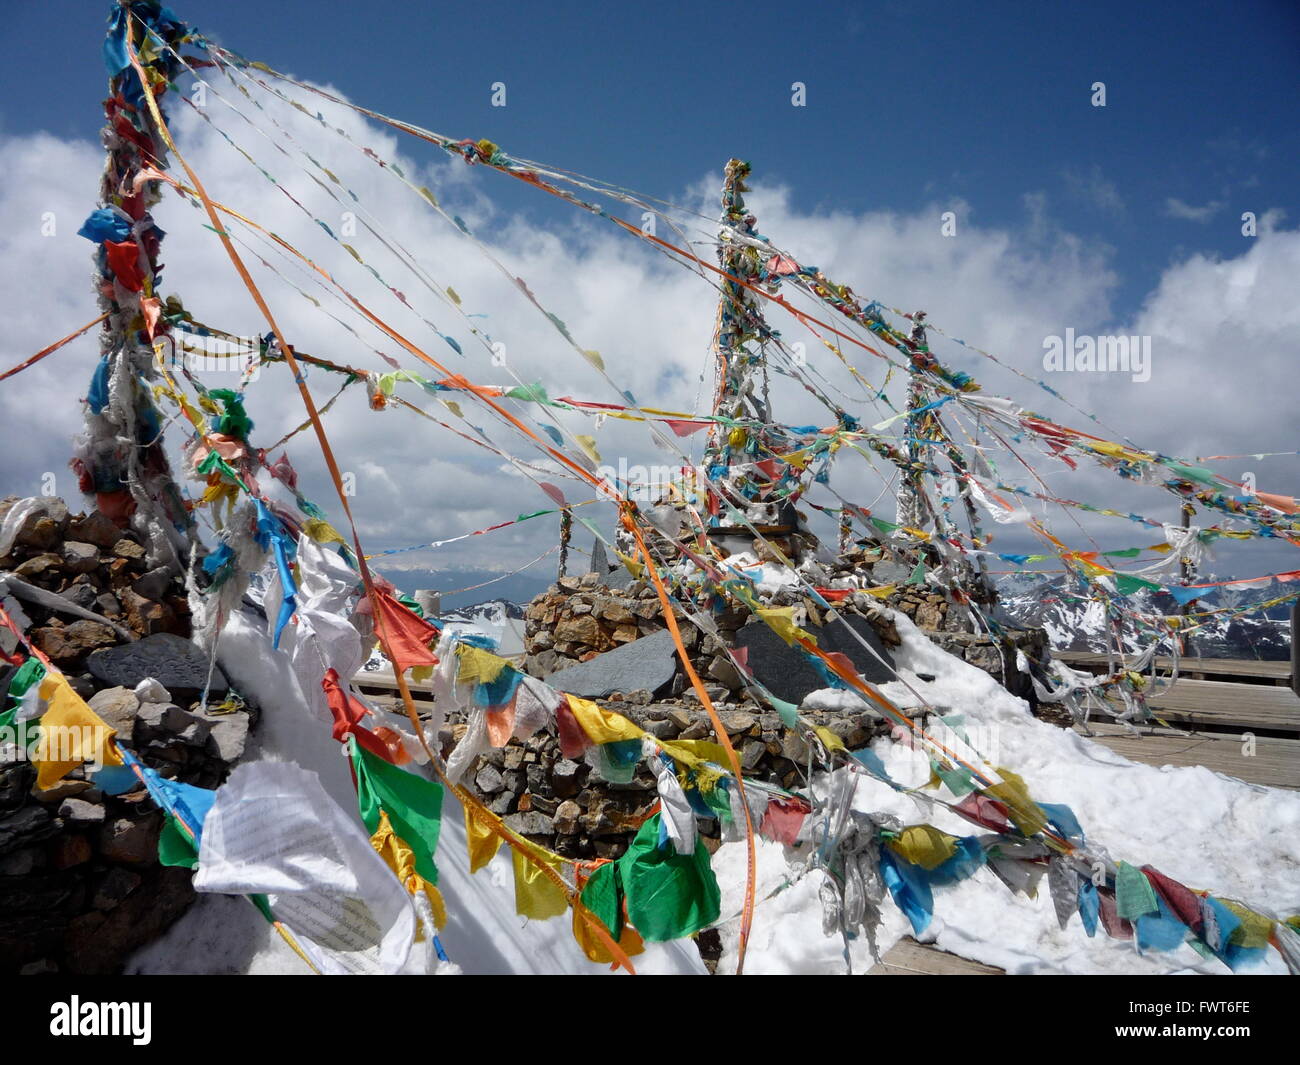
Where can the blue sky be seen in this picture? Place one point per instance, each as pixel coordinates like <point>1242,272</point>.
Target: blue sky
<point>1124,218</point>
<point>908,104</point>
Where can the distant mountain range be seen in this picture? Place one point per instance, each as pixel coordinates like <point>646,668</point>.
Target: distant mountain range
<point>498,618</point>
<point>1074,624</point>
<point>516,588</point>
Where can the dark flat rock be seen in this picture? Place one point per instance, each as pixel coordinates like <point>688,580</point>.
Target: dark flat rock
<point>785,670</point>
<point>173,661</point>
<point>647,664</point>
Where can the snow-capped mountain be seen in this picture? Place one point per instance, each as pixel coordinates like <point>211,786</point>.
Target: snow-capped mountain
<point>500,619</point>
<point>1074,623</point>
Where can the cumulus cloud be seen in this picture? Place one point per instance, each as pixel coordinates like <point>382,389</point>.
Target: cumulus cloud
<point>1223,331</point>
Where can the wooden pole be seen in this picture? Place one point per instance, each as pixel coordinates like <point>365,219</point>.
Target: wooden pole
<point>1185,574</point>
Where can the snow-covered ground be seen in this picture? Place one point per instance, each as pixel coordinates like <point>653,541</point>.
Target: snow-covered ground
<point>1206,830</point>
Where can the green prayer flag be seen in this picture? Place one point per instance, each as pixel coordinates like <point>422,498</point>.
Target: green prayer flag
<point>533,393</point>
<point>413,805</point>
<point>1127,584</point>
<point>30,673</point>
<point>216,462</point>
<point>175,847</point>
<point>603,896</point>
<point>788,711</point>
<point>918,574</point>
<point>410,604</point>
<point>1134,895</point>
<point>669,895</point>
<point>959,780</point>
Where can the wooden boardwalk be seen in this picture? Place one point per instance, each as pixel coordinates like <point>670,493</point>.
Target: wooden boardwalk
<point>907,957</point>
<point>1216,705</point>
<point>1243,670</point>
<point>1271,761</point>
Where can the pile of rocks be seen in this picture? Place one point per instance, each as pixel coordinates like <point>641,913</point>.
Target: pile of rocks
<point>97,566</point>
<point>80,883</point>
<point>578,619</point>
<point>566,806</point>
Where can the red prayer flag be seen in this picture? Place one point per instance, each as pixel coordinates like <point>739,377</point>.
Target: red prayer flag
<point>1184,903</point>
<point>124,261</point>
<point>983,811</point>
<point>403,634</point>
<point>573,740</point>
<point>782,820</point>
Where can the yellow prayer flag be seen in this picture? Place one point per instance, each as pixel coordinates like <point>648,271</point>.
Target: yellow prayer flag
<point>630,943</point>
<point>71,733</point>
<point>478,666</point>
<point>694,752</point>
<point>1025,814</point>
<point>832,741</point>
<point>322,531</point>
<point>633,566</point>
<point>924,845</point>
<point>588,445</point>
<point>401,860</point>
<point>1255,929</point>
<point>536,895</point>
<point>601,725</point>
<point>780,619</point>
<point>483,842</point>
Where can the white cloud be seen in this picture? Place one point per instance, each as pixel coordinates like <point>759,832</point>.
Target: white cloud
<point>1176,208</point>
<point>1224,332</point>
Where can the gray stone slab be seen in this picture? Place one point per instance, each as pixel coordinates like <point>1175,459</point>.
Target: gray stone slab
<point>174,662</point>
<point>599,560</point>
<point>786,671</point>
<point>647,664</point>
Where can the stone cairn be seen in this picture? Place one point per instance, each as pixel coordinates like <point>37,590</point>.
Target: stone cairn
<point>80,883</point>
<point>586,621</point>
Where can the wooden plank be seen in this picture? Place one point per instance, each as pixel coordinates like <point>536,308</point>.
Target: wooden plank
<point>382,680</point>
<point>907,957</point>
<point>1223,705</point>
<point>1276,672</point>
<point>1272,762</point>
